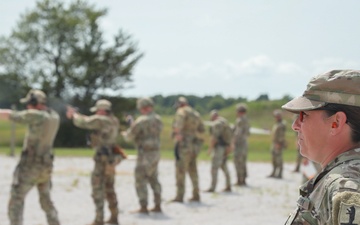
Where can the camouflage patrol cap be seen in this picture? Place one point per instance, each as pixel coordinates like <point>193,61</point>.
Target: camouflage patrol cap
<point>143,102</point>
<point>213,112</point>
<point>34,95</point>
<point>182,100</point>
<point>241,107</point>
<point>101,104</point>
<point>335,86</point>
<point>277,112</point>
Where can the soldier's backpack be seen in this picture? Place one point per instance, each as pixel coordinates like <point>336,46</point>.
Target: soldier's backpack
<point>227,134</point>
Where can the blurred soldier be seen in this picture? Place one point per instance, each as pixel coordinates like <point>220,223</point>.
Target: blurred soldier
<point>278,144</point>
<point>219,148</point>
<point>36,161</point>
<point>145,131</point>
<point>299,158</point>
<point>105,130</point>
<point>241,133</point>
<point>187,128</point>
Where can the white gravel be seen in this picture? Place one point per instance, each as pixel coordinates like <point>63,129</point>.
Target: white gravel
<point>263,201</point>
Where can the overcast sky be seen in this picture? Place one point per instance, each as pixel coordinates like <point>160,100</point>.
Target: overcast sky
<point>235,48</point>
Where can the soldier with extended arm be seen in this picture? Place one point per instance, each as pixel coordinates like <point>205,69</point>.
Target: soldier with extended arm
<point>36,161</point>
<point>105,127</point>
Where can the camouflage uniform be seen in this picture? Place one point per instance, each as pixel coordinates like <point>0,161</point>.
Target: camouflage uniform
<point>332,197</point>
<point>105,129</point>
<point>241,133</point>
<point>219,157</point>
<point>145,131</point>
<point>189,125</point>
<point>36,163</point>
<point>278,145</point>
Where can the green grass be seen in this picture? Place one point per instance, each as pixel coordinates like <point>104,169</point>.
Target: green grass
<point>255,155</point>
<point>259,114</point>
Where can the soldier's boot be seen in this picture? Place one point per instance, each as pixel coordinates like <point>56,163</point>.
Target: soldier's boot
<point>195,198</point>
<point>210,190</point>
<point>113,219</point>
<point>227,189</point>
<point>177,199</point>
<point>156,209</point>
<point>240,182</point>
<point>96,223</point>
<point>272,174</point>
<point>143,210</point>
<point>280,173</point>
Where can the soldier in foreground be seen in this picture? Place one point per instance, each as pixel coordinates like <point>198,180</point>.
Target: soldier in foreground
<point>219,148</point>
<point>187,128</point>
<point>36,161</point>
<point>328,130</point>
<point>105,128</point>
<point>145,131</point>
<point>241,133</point>
<point>278,144</point>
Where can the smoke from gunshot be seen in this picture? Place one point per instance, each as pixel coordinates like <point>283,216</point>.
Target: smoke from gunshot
<point>60,106</point>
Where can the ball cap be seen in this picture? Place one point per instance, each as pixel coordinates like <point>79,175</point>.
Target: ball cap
<point>335,86</point>
<point>39,95</point>
<point>101,104</point>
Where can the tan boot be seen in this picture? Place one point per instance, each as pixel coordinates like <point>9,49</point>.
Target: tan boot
<point>210,190</point>
<point>156,209</point>
<point>177,199</point>
<point>142,210</point>
<point>113,220</point>
<point>227,189</point>
<point>96,223</point>
<point>195,199</point>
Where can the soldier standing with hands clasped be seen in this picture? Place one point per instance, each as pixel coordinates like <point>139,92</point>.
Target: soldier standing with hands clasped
<point>36,161</point>
<point>145,131</point>
<point>105,127</point>
<point>328,129</point>
<point>241,133</point>
<point>187,128</point>
<point>278,144</point>
<point>220,141</point>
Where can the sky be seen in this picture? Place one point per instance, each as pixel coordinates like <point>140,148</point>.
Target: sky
<point>234,48</point>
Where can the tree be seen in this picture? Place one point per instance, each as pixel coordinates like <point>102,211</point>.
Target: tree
<point>61,49</point>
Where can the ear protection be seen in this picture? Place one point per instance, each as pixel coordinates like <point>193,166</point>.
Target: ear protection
<point>334,125</point>
<point>33,100</point>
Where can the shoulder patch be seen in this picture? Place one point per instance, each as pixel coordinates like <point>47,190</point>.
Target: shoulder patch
<point>346,208</point>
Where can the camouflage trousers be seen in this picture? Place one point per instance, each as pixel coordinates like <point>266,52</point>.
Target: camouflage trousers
<point>103,182</point>
<point>277,162</point>
<point>27,175</point>
<point>188,152</point>
<point>240,157</point>
<point>146,172</point>
<point>219,160</point>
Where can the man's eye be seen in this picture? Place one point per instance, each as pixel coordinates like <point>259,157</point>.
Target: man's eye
<point>302,114</point>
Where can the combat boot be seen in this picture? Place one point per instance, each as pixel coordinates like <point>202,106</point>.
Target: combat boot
<point>195,199</point>
<point>177,199</point>
<point>210,190</point>
<point>142,210</point>
<point>156,209</point>
<point>96,223</point>
<point>227,189</point>
<point>113,220</point>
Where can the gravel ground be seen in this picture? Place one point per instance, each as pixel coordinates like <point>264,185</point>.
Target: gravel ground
<point>263,201</point>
